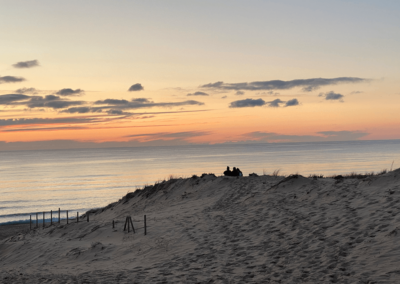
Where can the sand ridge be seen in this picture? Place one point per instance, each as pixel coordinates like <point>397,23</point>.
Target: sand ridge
<point>224,230</point>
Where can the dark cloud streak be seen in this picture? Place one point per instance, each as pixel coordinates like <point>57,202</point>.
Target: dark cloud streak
<point>69,92</point>
<point>307,85</point>
<point>11,79</point>
<point>198,94</point>
<point>26,64</point>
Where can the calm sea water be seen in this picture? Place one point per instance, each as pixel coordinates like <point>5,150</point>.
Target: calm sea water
<point>78,180</point>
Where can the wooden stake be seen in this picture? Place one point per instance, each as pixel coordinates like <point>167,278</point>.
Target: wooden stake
<point>37,222</point>
<point>30,222</point>
<point>113,225</point>
<point>77,217</point>
<point>145,226</point>
<point>87,215</point>
<point>133,228</point>
<point>51,217</point>
<point>43,220</point>
<point>67,216</point>
<point>126,221</point>
<point>59,220</point>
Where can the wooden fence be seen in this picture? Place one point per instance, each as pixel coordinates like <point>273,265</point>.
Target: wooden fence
<point>127,225</point>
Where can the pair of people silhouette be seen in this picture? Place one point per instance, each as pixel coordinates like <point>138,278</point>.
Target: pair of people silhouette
<point>234,173</point>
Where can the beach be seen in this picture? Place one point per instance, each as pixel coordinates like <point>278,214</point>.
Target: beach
<point>258,229</point>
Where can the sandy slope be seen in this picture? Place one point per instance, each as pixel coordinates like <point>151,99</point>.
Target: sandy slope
<point>225,230</point>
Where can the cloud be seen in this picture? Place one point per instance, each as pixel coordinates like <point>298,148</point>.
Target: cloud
<point>331,96</point>
<point>356,92</point>
<point>26,64</point>
<point>140,103</point>
<point>136,87</point>
<point>322,136</point>
<point>261,102</point>
<point>275,103</point>
<point>43,121</point>
<point>111,102</point>
<point>307,85</point>
<point>198,94</point>
<point>239,93</point>
<point>79,110</point>
<point>69,92</point>
<point>51,101</point>
<point>11,98</point>
<point>247,103</point>
<point>292,102</point>
<point>171,135</point>
<point>224,97</point>
<point>10,79</point>
<point>31,91</point>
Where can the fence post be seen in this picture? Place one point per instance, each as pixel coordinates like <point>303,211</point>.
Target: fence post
<point>51,217</point>
<point>37,222</point>
<point>67,216</point>
<point>59,220</point>
<point>30,222</point>
<point>87,215</point>
<point>43,220</point>
<point>125,224</point>
<point>77,217</point>
<point>145,226</point>
<point>133,228</point>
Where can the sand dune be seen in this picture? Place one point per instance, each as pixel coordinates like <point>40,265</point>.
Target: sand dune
<point>224,230</point>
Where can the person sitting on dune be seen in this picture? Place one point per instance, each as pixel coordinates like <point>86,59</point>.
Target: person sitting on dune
<point>228,172</point>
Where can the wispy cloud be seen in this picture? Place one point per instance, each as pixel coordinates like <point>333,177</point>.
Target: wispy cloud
<point>135,88</point>
<point>12,98</point>
<point>69,92</point>
<point>10,79</point>
<point>26,64</point>
<point>31,91</point>
<point>261,102</point>
<point>331,96</point>
<point>275,103</point>
<point>197,94</point>
<point>247,103</point>
<point>44,121</point>
<point>170,135</point>
<point>51,101</point>
<point>292,102</point>
<point>239,93</point>
<point>307,85</point>
<point>121,105</point>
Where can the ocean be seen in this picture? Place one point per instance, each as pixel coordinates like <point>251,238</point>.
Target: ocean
<point>81,179</point>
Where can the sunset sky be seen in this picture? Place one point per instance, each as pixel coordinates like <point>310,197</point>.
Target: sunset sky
<point>138,73</point>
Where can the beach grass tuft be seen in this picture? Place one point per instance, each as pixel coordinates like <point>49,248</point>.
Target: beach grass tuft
<point>275,173</point>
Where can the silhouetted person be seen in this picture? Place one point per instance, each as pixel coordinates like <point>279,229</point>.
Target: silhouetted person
<point>235,172</point>
<point>228,172</point>
<point>240,174</point>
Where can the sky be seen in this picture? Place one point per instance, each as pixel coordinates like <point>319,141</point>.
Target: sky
<point>144,73</point>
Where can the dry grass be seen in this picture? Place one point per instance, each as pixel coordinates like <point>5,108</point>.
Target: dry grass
<point>275,173</point>
<point>315,176</point>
